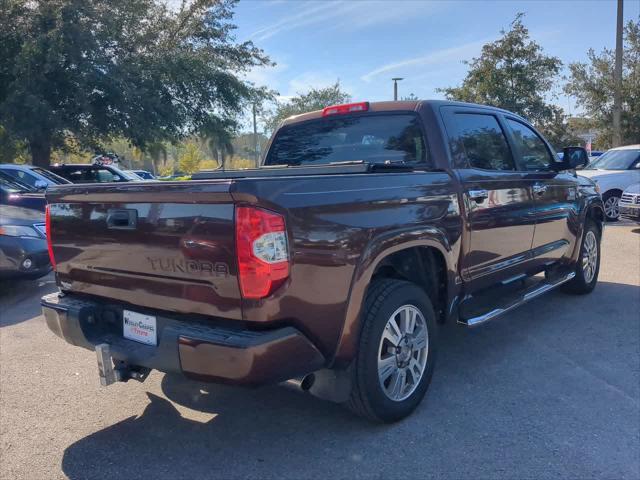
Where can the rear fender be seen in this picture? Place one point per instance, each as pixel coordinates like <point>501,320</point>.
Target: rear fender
<point>376,251</point>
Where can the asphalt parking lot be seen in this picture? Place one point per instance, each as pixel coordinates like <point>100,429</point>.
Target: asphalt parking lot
<point>552,390</point>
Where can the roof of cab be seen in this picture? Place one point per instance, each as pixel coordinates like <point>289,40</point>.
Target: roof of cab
<point>390,106</point>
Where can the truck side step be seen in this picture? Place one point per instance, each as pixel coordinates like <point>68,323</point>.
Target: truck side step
<point>471,311</point>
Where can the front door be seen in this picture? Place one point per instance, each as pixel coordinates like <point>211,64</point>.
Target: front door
<point>498,200</point>
<point>554,193</point>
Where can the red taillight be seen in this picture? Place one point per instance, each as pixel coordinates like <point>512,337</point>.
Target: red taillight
<point>346,108</point>
<point>261,247</point>
<point>47,226</point>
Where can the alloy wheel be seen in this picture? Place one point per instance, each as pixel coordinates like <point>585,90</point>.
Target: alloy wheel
<point>590,256</point>
<point>402,353</point>
<point>611,207</point>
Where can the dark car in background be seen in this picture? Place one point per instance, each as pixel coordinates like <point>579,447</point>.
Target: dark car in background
<point>92,173</point>
<point>18,194</point>
<point>23,243</point>
<point>144,174</point>
<point>36,177</point>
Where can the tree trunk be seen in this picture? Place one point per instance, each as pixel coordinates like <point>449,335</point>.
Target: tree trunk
<point>40,152</point>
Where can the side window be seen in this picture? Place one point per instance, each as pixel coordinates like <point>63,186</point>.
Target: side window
<point>534,152</point>
<point>103,176</point>
<point>26,178</point>
<point>479,139</point>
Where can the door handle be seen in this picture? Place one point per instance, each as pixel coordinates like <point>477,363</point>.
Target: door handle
<point>478,195</point>
<point>539,188</point>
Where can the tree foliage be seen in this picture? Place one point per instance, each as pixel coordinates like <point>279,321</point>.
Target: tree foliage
<point>315,99</point>
<point>511,73</point>
<point>131,68</point>
<point>190,158</point>
<point>592,84</point>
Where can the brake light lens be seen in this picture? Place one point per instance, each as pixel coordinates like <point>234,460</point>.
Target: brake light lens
<point>47,226</point>
<point>346,108</point>
<point>261,247</point>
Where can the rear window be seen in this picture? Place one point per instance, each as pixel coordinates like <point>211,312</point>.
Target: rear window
<point>370,138</point>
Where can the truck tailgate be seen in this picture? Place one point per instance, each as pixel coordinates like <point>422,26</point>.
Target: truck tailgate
<point>168,246</point>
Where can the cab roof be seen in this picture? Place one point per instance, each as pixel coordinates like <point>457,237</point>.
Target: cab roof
<point>399,106</point>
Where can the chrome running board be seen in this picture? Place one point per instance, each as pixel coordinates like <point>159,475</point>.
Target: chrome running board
<point>527,294</point>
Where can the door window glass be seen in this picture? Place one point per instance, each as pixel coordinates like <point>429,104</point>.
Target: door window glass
<point>480,140</point>
<point>534,153</point>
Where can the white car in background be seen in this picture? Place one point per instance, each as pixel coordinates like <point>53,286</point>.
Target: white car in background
<point>630,203</point>
<point>614,171</point>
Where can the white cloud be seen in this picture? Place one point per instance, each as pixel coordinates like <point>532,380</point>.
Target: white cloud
<point>452,54</point>
<point>343,14</point>
<point>309,14</point>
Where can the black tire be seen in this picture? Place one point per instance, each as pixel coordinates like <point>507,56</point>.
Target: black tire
<point>368,398</point>
<point>581,285</point>
<point>611,196</point>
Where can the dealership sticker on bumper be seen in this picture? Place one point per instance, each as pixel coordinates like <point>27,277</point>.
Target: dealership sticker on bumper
<point>139,327</point>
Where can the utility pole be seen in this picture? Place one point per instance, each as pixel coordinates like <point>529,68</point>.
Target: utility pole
<point>617,76</point>
<point>395,87</point>
<point>255,136</point>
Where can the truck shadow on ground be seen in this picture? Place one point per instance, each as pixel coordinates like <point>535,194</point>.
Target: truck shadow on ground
<point>278,432</point>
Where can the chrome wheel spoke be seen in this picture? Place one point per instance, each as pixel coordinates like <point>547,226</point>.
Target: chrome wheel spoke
<point>386,367</point>
<point>394,330</point>
<point>397,384</point>
<point>415,369</point>
<point>420,341</point>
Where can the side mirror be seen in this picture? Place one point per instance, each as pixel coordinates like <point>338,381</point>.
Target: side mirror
<point>572,157</point>
<point>41,185</point>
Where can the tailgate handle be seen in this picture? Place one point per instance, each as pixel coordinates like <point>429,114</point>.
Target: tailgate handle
<point>123,219</point>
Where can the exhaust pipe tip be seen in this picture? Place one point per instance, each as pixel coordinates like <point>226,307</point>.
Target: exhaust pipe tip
<point>307,382</point>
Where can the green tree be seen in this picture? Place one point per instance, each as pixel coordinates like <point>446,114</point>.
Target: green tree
<point>109,68</point>
<point>559,130</point>
<point>511,73</point>
<point>190,157</point>
<point>11,150</point>
<point>315,99</point>
<point>592,85</point>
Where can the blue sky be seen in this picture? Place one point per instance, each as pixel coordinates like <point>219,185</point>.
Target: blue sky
<point>366,42</point>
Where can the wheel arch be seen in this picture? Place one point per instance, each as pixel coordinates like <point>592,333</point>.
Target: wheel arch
<point>386,256</point>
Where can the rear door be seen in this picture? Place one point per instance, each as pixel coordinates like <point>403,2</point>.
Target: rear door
<point>497,197</point>
<point>554,193</point>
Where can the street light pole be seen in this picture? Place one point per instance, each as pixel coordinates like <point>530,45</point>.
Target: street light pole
<point>617,78</point>
<point>395,87</point>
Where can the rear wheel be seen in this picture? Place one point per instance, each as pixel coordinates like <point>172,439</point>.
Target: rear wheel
<point>611,207</point>
<point>396,355</point>
<point>588,264</point>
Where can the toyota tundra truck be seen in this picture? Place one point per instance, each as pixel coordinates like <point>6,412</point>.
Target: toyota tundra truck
<point>366,227</point>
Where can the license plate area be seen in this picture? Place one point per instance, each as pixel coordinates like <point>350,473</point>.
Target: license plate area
<point>139,327</point>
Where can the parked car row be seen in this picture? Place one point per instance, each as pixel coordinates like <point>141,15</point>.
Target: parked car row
<point>40,178</point>
<point>613,172</point>
<point>23,246</point>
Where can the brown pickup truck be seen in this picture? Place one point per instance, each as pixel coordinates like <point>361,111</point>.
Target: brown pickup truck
<point>366,226</point>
